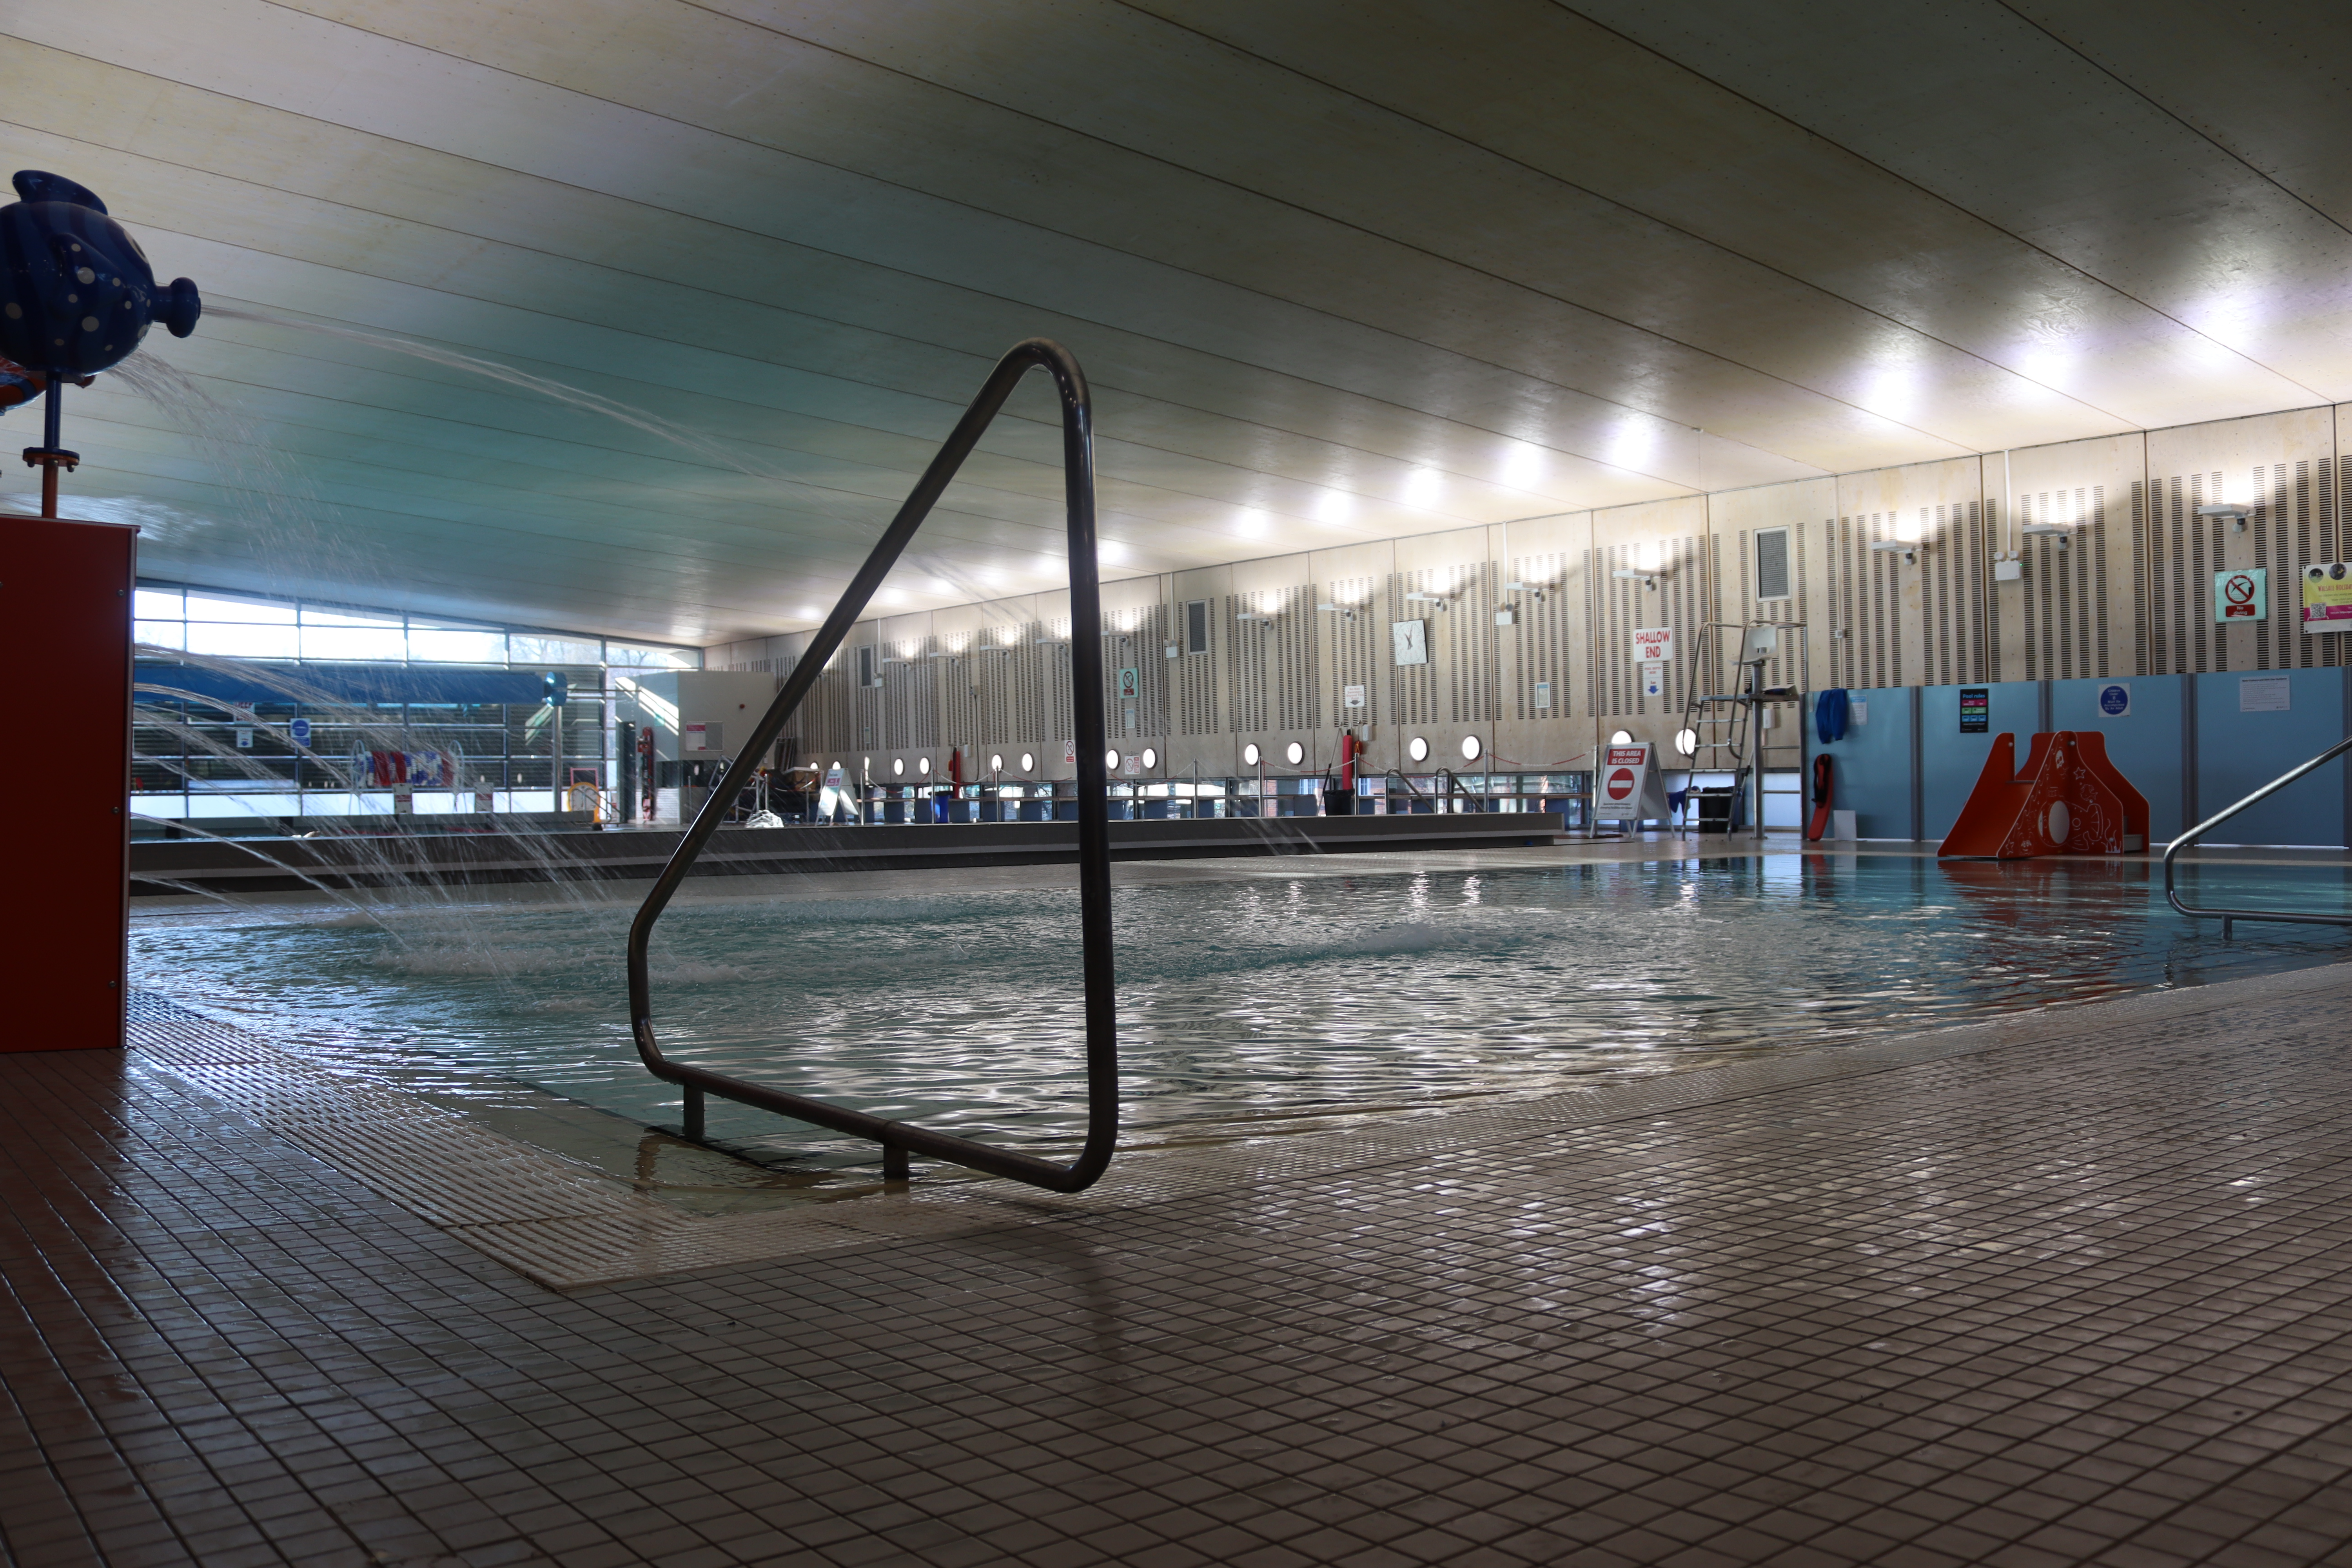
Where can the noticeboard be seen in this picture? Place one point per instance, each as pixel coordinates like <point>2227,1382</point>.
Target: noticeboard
<point>1976,709</point>
<point>2327,597</point>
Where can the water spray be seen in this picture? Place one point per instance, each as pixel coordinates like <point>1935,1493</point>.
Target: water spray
<point>76,295</point>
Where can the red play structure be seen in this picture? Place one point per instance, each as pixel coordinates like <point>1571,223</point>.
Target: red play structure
<point>2068,798</point>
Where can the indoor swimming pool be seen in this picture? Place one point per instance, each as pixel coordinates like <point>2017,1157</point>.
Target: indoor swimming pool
<point>1252,1005</point>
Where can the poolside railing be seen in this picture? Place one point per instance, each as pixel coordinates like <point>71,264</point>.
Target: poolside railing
<point>2230,917</point>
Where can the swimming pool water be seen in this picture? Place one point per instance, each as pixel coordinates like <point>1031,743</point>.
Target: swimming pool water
<point>1254,1006</point>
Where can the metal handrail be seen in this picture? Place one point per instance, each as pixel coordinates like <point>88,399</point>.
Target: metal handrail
<point>898,1138</point>
<point>2229,917</point>
<point>1411,788</point>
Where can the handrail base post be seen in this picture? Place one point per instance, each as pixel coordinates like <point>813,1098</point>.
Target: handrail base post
<point>2226,924</point>
<point>693,1114</point>
<point>894,1163</point>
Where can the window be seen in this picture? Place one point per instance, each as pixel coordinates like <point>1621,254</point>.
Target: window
<point>1196,625</point>
<point>869,665</point>
<point>1771,562</point>
<point>293,757</point>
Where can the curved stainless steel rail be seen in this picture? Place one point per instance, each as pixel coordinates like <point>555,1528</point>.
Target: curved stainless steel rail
<point>2229,917</point>
<point>898,1139</point>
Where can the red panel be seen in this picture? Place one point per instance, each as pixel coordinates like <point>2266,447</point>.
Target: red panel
<point>65,634</point>
<point>2070,798</point>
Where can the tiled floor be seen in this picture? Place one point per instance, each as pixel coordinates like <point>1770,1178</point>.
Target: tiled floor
<point>2072,1290</point>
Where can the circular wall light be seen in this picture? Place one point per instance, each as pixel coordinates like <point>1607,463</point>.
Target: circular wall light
<point>899,766</point>
<point>1686,742</point>
<point>1028,761</point>
<point>1417,749</point>
<point>924,767</point>
<point>996,762</point>
<point>1621,737</point>
<point>1151,757</point>
<point>1250,755</point>
<point>1471,748</point>
<point>1110,761</point>
<point>1295,752</point>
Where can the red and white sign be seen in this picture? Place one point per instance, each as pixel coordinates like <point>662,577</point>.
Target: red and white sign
<point>1653,644</point>
<point>1628,790</point>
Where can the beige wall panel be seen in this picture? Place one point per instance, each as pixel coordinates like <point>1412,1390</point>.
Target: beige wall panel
<point>1460,547</point>
<point>1808,510</point>
<point>1668,540</point>
<point>1917,622</point>
<point>2280,464</point>
<point>2080,608</point>
<point>1271,573</point>
<point>1544,645</point>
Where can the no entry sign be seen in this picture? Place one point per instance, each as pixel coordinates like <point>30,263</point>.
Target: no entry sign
<point>1628,788</point>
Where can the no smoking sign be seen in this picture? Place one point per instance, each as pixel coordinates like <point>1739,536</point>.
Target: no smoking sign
<point>2242,596</point>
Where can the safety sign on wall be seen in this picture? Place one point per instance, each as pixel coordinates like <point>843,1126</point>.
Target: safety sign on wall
<point>1130,685</point>
<point>1653,644</point>
<point>2242,596</point>
<point>2327,597</point>
<point>300,731</point>
<point>1654,679</point>
<point>2115,700</point>
<point>1351,697</point>
<point>1976,709</point>
<point>1628,789</point>
<point>1543,694</point>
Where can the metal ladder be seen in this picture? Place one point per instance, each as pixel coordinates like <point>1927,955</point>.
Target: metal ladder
<point>1728,731</point>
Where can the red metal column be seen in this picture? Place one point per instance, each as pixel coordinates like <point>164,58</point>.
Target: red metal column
<point>65,634</point>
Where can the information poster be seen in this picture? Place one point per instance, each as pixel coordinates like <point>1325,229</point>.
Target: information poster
<point>2327,597</point>
<point>2263,694</point>
<point>1976,709</point>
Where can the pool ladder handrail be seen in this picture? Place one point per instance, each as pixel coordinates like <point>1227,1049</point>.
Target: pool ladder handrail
<point>898,1139</point>
<point>2229,917</point>
<point>1455,790</point>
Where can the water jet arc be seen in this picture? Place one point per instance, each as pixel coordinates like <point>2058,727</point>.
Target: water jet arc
<point>899,1139</point>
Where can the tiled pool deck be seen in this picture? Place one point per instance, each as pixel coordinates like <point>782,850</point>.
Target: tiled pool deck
<point>2072,1287</point>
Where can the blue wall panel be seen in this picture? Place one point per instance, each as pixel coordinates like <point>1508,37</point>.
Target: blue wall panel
<point>2237,752</point>
<point>1872,765</point>
<point>1949,762</point>
<point>2143,745</point>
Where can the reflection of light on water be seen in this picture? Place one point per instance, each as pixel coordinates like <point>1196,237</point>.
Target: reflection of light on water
<point>1247,1007</point>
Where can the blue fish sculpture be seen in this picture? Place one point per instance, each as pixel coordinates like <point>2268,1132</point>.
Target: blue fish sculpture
<point>77,294</point>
